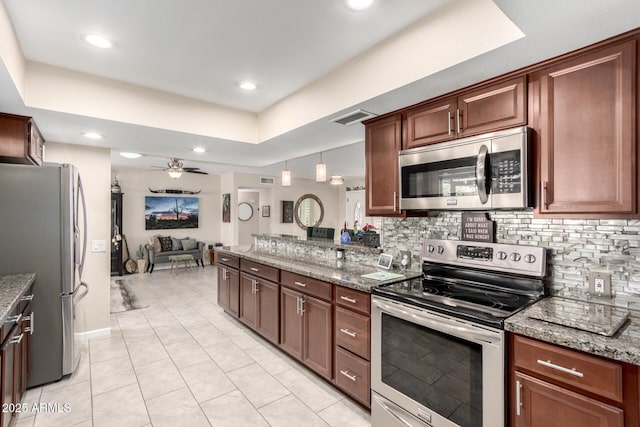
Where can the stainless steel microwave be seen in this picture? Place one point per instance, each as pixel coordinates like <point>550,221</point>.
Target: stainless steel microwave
<point>490,171</point>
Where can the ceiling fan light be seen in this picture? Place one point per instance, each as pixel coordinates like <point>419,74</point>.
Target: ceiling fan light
<point>336,180</point>
<point>286,176</point>
<point>321,171</point>
<point>175,174</point>
<point>130,155</point>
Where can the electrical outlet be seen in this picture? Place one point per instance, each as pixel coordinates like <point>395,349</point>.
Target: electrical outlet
<point>405,256</point>
<point>600,284</point>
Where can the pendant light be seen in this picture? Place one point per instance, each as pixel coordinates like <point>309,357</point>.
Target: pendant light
<point>286,176</point>
<point>336,180</point>
<point>321,171</point>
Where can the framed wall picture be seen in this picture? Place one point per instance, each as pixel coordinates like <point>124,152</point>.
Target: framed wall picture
<point>168,213</point>
<point>226,207</point>
<point>287,211</point>
<point>266,211</point>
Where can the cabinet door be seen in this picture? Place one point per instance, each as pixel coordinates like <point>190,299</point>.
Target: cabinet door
<point>587,133</point>
<point>223,287</point>
<point>248,304</point>
<point>492,108</point>
<point>382,144</point>
<point>9,358</point>
<point>317,336</point>
<point>234,291</point>
<point>430,124</point>
<point>36,143</point>
<point>268,320</point>
<point>546,405</point>
<point>290,322</point>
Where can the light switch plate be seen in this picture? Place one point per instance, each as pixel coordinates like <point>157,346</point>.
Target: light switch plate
<point>600,284</point>
<point>98,246</point>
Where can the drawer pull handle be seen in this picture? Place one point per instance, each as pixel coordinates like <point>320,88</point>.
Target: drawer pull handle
<point>348,375</point>
<point>518,398</point>
<point>255,269</point>
<point>548,364</point>
<point>14,319</point>
<point>348,332</point>
<point>16,340</point>
<point>304,285</point>
<point>347,299</point>
<point>27,298</point>
<point>224,259</point>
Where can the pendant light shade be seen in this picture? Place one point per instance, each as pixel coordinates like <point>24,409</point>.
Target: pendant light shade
<point>286,176</point>
<point>321,171</point>
<point>336,180</point>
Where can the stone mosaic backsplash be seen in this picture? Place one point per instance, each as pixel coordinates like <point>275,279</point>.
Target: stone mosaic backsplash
<point>575,246</point>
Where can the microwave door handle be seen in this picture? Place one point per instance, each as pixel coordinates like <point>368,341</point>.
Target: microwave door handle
<point>481,174</point>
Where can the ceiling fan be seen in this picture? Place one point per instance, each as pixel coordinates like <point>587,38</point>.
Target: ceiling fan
<point>175,169</point>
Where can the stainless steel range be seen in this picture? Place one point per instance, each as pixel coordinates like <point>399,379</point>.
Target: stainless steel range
<point>438,348</point>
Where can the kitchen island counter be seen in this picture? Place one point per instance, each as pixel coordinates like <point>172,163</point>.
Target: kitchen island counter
<point>12,287</point>
<point>345,273</point>
<point>622,346</point>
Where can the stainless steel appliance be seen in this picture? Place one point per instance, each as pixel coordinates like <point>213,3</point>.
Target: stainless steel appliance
<point>437,342</point>
<point>491,171</point>
<point>44,230</point>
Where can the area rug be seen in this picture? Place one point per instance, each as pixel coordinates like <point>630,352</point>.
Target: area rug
<point>123,298</point>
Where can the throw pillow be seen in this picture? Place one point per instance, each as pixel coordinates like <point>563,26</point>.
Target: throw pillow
<point>176,244</point>
<point>157,247</point>
<point>188,244</point>
<point>165,244</point>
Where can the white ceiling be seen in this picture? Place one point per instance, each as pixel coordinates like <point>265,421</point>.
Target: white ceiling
<point>201,49</point>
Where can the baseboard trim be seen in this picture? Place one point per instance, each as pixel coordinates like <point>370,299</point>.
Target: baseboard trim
<point>93,334</point>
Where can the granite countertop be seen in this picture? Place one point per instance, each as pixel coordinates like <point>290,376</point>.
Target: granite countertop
<point>566,320</point>
<point>12,287</point>
<point>345,274</point>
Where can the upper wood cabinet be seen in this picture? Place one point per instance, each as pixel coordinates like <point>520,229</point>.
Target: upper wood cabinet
<point>20,140</point>
<point>382,144</point>
<point>498,106</point>
<point>587,131</point>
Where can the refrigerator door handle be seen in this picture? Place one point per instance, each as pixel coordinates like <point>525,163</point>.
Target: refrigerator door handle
<point>84,231</point>
<point>77,296</point>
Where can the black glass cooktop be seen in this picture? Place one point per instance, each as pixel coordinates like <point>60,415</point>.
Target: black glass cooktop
<point>484,298</point>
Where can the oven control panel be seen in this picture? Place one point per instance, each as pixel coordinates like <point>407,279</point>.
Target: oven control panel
<point>519,259</point>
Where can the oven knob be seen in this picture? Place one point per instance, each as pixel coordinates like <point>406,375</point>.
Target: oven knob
<point>430,248</point>
<point>529,258</point>
<point>515,257</point>
<point>440,249</point>
<point>502,256</point>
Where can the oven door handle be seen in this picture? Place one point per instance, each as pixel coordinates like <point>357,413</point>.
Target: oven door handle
<point>481,174</point>
<point>392,412</point>
<point>425,319</point>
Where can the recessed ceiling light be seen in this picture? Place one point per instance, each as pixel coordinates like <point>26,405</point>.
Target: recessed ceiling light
<point>248,86</point>
<point>93,135</point>
<point>199,150</point>
<point>130,155</point>
<point>359,4</point>
<point>98,41</point>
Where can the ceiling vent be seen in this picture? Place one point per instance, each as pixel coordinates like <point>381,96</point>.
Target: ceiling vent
<point>353,117</point>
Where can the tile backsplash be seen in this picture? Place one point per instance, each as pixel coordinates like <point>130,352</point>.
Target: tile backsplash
<point>575,246</point>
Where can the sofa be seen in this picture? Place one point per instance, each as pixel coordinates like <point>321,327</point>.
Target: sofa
<point>160,248</point>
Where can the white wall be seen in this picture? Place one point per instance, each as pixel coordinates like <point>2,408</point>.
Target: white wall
<point>94,165</point>
<point>247,228</point>
<point>135,185</point>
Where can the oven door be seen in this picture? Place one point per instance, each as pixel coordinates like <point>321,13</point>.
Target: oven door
<point>434,368</point>
<point>452,175</point>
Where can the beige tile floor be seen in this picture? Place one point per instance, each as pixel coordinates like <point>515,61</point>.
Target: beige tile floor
<point>183,362</point>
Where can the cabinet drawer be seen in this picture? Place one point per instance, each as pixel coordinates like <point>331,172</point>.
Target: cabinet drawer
<point>353,375</point>
<point>353,332</point>
<point>582,371</point>
<point>353,300</point>
<point>307,285</point>
<point>261,270</point>
<point>228,260</point>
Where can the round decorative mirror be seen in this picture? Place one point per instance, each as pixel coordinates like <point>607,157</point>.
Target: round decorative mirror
<point>308,211</point>
<point>245,211</point>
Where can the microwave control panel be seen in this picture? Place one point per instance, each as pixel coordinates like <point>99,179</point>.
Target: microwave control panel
<point>506,173</point>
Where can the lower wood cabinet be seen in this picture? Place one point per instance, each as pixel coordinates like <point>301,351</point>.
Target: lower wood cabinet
<point>259,305</point>
<point>553,386</point>
<point>229,290</point>
<point>306,330</point>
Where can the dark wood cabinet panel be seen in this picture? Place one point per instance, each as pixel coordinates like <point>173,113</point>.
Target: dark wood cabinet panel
<point>229,290</point>
<point>290,322</point>
<point>546,405</point>
<point>248,303</point>
<point>499,106</point>
<point>20,140</point>
<point>353,300</point>
<point>317,335</point>
<point>268,310</point>
<point>587,130</point>
<point>352,332</point>
<point>382,144</point>
<point>353,376</point>
<point>223,288</point>
<point>431,123</point>
<point>307,285</point>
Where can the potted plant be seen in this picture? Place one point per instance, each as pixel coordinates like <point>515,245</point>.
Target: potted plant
<point>141,260</point>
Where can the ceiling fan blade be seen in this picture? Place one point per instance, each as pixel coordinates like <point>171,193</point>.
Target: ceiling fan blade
<point>197,171</point>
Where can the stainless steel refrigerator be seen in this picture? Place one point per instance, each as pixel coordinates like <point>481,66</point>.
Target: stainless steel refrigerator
<point>43,223</point>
